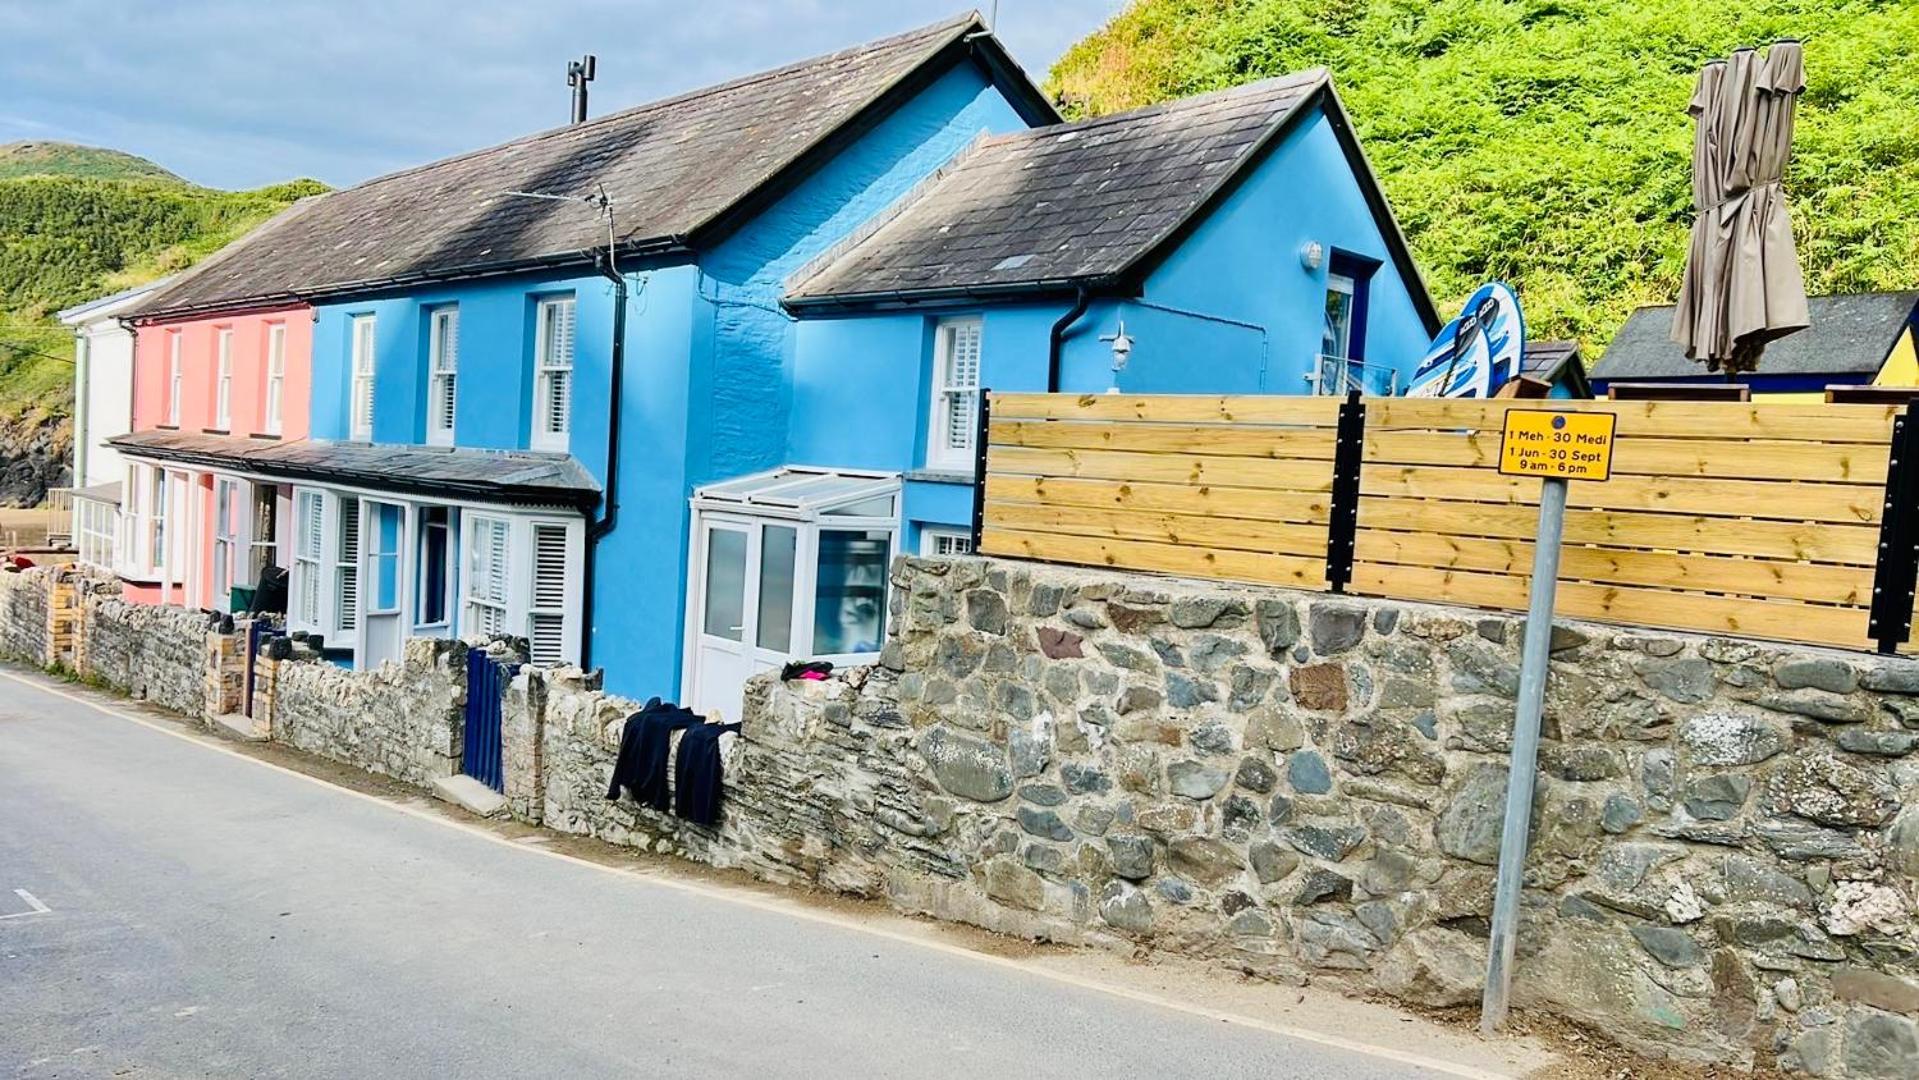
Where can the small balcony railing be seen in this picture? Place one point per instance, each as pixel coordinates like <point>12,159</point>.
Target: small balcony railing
<point>1338,375</point>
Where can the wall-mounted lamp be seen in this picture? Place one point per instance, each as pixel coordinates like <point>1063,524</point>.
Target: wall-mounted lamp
<point>1122,346</point>
<point>1311,254</point>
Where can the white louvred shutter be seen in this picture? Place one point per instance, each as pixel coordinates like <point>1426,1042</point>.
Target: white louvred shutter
<point>557,408</point>
<point>487,575</point>
<point>446,367</point>
<point>349,594</point>
<point>546,619</point>
<point>962,382</point>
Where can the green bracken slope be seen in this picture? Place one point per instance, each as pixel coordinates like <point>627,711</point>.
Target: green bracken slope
<point>50,158</point>
<point>1546,142</point>
<point>66,239</point>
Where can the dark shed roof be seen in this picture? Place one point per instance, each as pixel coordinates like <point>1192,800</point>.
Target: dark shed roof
<point>1851,334</point>
<point>675,170</point>
<point>1550,361</point>
<point>509,476</point>
<point>1092,203</point>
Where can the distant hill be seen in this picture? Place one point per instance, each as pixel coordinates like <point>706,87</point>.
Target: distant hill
<point>1546,142</point>
<point>78,223</point>
<point>49,158</point>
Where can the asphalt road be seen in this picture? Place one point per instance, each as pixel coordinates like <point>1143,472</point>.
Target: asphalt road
<point>208,916</point>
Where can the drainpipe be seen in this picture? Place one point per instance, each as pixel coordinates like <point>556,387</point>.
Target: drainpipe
<point>1081,300</point>
<point>610,503</point>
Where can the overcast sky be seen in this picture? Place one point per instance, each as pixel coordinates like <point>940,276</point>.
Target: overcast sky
<point>238,93</point>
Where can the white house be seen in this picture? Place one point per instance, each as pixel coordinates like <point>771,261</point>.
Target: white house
<point>102,408</point>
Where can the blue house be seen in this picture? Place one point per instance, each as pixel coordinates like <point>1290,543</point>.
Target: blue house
<point>666,391</point>
<point>1235,243</point>
<point>501,443</point>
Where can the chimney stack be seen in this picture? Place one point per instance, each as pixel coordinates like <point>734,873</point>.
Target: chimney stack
<point>578,74</point>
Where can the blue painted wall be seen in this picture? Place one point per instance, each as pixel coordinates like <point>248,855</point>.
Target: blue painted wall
<point>1231,310</point>
<point>709,365</point>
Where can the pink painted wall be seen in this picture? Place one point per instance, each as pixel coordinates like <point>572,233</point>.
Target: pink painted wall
<point>199,371</point>
<point>199,390</point>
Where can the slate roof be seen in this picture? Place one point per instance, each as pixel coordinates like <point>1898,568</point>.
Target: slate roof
<point>509,476</point>
<point>1089,203</point>
<point>672,169</point>
<point>1851,334</point>
<point>1547,361</point>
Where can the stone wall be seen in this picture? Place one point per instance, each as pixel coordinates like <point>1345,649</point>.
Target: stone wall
<point>402,720</point>
<point>1310,787</point>
<point>145,651</point>
<point>23,614</point>
<point>1302,787</point>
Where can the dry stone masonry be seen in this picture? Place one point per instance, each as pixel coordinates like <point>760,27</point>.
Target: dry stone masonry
<point>1725,862</point>
<point>402,720</point>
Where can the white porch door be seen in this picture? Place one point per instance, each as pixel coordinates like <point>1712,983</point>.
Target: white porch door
<point>743,608</point>
<point>383,591</point>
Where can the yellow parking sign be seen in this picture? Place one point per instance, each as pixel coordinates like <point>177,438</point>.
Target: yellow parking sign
<point>1564,445</point>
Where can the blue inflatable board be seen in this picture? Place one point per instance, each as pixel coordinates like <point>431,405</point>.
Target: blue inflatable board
<point>1478,352</point>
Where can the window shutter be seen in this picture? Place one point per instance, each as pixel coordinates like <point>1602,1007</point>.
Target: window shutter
<point>546,619</point>
<point>486,589</point>
<point>446,366</point>
<point>349,594</point>
<point>556,405</point>
<point>961,379</point>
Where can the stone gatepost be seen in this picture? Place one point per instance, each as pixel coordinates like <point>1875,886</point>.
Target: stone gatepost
<point>522,745</point>
<point>63,619</point>
<point>226,671</point>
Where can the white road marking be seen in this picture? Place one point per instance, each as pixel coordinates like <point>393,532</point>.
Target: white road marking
<point>770,906</point>
<point>34,906</point>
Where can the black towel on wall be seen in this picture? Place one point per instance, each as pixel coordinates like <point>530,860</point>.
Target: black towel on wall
<point>645,745</point>
<point>698,773</point>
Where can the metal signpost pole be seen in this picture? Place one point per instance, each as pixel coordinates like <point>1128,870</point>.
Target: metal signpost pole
<point>1556,447</point>
<point>1525,760</point>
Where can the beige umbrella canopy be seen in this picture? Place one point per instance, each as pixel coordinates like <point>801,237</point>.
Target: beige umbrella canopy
<point>1742,286</point>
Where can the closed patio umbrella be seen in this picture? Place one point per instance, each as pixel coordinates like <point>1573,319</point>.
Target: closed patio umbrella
<point>1742,287</point>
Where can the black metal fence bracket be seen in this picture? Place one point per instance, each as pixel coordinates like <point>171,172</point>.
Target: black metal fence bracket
<point>1896,572</point>
<point>979,464</point>
<point>1342,523</point>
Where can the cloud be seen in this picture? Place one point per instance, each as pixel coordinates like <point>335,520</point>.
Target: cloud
<point>237,93</point>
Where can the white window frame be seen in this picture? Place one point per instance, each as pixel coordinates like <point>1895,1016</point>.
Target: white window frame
<point>175,376</point>
<point>553,380</point>
<point>1347,287</point>
<point>946,448</point>
<point>276,375</point>
<point>486,590</point>
<point>135,544</point>
<point>229,536</point>
<point>957,541</point>
<point>223,378</point>
<point>427,534</point>
<point>514,604</point>
<point>307,587</point>
<point>443,369</point>
<point>158,501</point>
<point>363,354</point>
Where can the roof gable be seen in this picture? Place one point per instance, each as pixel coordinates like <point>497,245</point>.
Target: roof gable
<point>1849,334</point>
<point>673,169</point>
<point>1095,203</point>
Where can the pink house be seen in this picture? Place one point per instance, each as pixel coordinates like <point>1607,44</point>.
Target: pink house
<point>191,531</point>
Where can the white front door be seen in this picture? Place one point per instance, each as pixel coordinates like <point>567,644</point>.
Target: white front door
<point>383,591</point>
<point>743,608</point>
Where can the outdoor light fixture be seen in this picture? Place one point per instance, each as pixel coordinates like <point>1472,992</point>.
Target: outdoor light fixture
<point>1122,346</point>
<point>1311,255</point>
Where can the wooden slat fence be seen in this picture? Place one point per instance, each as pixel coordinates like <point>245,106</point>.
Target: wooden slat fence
<point>1749,519</point>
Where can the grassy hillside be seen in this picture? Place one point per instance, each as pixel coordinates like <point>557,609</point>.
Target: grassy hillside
<point>49,158</point>
<point>67,239</point>
<point>1546,142</point>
